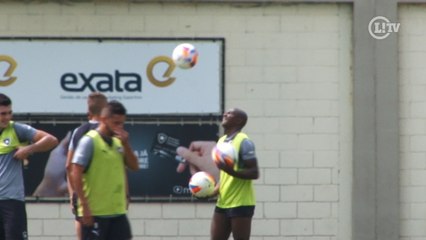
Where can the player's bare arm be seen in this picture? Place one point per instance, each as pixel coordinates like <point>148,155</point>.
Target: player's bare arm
<point>77,182</point>
<point>42,142</point>
<point>130,158</point>
<point>250,170</point>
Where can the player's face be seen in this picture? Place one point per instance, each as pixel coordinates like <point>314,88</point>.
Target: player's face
<point>115,123</point>
<point>5,116</point>
<point>229,117</point>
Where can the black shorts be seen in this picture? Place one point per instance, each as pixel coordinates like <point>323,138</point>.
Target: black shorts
<point>13,220</point>
<point>243,211</point>
<point>108,228</point>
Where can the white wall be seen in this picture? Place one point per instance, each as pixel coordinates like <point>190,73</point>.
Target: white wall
<point>288,66</point>
<point>412,74</point>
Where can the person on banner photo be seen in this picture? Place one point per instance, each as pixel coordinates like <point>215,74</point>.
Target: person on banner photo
<point>198,158</point>
<point>98,176</point>
<point>236,198</point>
<point>96,101</point>
<point>54,183</point>
<point>17,142</point>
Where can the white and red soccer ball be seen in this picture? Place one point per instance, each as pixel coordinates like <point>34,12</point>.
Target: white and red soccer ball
<point>185,55</point>
<point>224,153</point>
<point>202,184</point>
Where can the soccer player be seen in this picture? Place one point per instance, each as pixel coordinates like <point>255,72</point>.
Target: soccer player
<point>98,176</point>
<point>95,103</point>
<point>18,142</point>
<point>236,198</point>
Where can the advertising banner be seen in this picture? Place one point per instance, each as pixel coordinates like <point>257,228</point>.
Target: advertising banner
<point>54,76</point>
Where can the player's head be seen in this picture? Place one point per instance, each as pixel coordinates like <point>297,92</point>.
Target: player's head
<point>114,108</point>
<point>96,101</point>
<point>113,116</point>
<point>5,110</point>
<point>5,100</point>
<point>242,117</point>
<point>234,118</point>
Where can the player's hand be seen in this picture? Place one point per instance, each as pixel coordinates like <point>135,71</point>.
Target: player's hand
<point>224,167</point>
<point>22,153</point>
<point>72,205</point>
<point>127,201</point>
<point>87,218</point>
<point>198,158</point>
<point>73,209</point>
<point>122,134</point>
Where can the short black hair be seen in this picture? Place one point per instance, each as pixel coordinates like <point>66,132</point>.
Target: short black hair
<point>5,100</point>
<point>114,107</point>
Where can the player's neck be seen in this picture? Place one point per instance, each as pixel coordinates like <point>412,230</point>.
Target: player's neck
<point>95,119</point>
<point>231,131</point>
<point>105,135</point>
<point>104,132</point>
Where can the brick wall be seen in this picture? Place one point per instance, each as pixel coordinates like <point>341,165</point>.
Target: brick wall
<point>287,65</point>
<point>413,114</point>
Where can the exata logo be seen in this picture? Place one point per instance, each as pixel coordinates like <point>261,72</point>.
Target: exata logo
<point>118,81</point>
<point>102,82</point>
<point>6,79</point>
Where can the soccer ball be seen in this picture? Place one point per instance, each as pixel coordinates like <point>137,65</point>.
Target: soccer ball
<point>224,153</point>
<point>185,55</point>
<point>201,184</point>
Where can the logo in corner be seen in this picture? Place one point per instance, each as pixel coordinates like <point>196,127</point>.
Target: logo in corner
<point>380,27</point>
<point>7,78</point>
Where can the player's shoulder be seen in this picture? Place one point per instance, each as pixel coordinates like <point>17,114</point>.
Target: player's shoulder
<point>85,141</point>
<point>20,127</point>
<point>85,127</point>
<point>80,131</point>
<point>19,124</point>
<point>24,131</point>
<point>241,138</point>
<point>246,143</point>
<point>243,135</point>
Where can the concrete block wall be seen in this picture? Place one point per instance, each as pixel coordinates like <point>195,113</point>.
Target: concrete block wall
<point>412,82</point>
<point>288,66</point>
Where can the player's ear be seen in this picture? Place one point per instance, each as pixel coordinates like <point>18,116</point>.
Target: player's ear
<point>239,121</point>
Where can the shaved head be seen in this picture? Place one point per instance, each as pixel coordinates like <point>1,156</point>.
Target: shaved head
<point>234,118</point>
<point>242,116</point>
